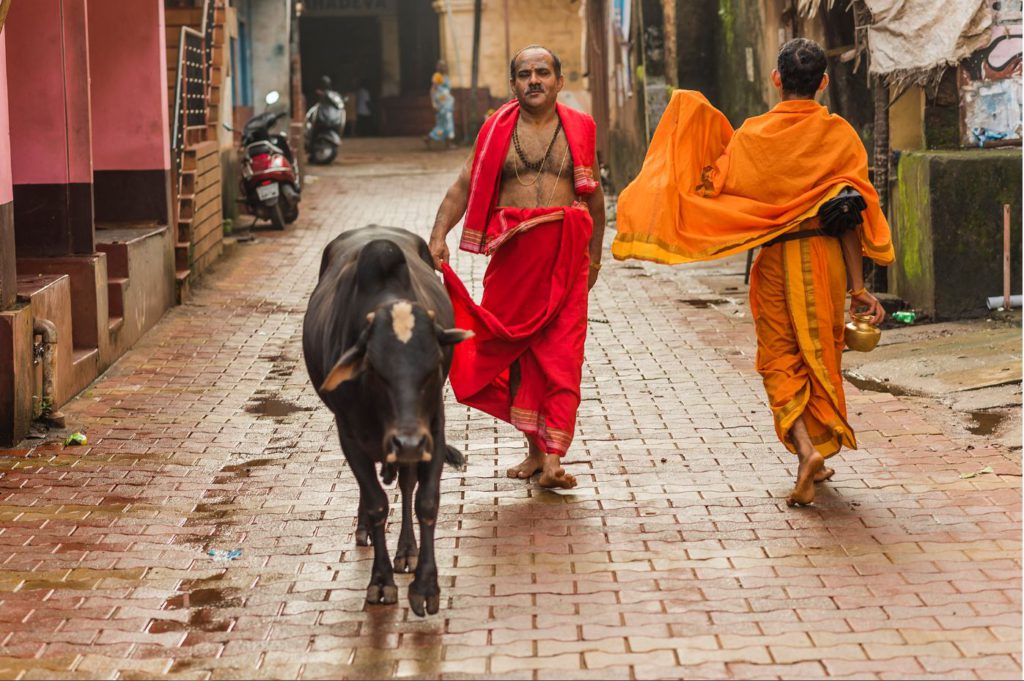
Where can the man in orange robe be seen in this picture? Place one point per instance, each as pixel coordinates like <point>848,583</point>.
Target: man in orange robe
<point>706,192</point>
<point>531,202</point>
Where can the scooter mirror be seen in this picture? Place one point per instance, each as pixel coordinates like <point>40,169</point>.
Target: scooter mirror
<point>272,97</point>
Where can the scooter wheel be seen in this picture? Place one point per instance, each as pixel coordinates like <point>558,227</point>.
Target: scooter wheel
<point>277,215</point>
<point>324,154</point>
<point>291,214</point>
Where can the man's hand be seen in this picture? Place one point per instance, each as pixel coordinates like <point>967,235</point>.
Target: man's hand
<point>592,277</point>
<point>438,249</point>
<point>868,304</point>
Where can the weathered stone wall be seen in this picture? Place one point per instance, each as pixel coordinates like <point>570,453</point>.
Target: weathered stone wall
<point>948,229</point>
<point>742,72</point>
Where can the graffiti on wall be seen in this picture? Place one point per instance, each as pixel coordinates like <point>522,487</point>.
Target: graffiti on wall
<point>990,83</point>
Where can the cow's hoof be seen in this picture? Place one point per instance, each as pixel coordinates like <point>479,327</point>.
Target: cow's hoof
<point>424,605</point>
<point>385,595</point>
<point>406,563</point>
<point>362,538</point>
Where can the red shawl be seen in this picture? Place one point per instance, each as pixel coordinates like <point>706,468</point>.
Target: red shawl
<point>478,230</point>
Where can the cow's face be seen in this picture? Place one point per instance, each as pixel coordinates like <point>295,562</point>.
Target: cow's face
<point>399,361</point>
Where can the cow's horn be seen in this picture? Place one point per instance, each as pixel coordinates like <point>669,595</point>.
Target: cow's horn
<point>392,457</point>
<point>370,316</point>
<point>427,456</point>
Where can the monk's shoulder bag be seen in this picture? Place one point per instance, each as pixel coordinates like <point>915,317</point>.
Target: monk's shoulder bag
<point>842,212</point>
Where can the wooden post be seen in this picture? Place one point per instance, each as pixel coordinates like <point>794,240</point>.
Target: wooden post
<point>508,32</point>
<point>1006,256</point>
<point>474,76</point>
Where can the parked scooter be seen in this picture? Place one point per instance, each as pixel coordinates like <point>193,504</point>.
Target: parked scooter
<point>269,182</point>
<point>325,122</point>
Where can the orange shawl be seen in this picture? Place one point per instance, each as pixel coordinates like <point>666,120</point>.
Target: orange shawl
<point>706,192</point>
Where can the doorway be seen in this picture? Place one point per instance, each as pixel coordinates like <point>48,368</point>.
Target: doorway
<point>348,49</point>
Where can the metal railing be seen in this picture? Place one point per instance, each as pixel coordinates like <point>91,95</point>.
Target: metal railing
<point>189,91</point>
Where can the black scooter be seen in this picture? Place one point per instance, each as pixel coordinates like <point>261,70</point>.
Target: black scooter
<point>325,122</point>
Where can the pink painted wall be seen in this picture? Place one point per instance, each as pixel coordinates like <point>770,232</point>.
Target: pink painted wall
<point>6,182</point>
<point>128,65</point>
<point>48,92</point>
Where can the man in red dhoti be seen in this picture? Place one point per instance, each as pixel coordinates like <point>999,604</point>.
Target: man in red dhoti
<point>531,202</point>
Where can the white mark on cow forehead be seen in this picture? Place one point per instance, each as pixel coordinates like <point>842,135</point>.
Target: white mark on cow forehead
<point>402,321</point>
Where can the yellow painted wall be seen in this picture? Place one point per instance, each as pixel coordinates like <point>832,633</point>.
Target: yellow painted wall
<point>906,121</point>
<point>556,24</point>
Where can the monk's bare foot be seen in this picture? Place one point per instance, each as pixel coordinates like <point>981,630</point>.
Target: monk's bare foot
<point>803,492</point>
<point>824,474</point>
<point>554,476</point>
<point>530,465</point>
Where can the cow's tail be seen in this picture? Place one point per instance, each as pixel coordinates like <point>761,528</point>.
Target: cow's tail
<point>455,458</point>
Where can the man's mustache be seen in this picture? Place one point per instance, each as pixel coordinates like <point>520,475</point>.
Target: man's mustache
<point>534,88</point>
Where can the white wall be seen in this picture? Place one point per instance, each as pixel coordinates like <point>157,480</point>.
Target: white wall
<point>271,61</point>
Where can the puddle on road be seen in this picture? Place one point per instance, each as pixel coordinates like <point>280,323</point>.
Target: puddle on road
<point>203,619</point>
<point>244,469</point>
<point>233,471</point>
<point>273,407</point>
<point>203,593</point>
<point>703,303</point>
<point>877,386</point>
<point>203,600</point>
<point>986,422</point>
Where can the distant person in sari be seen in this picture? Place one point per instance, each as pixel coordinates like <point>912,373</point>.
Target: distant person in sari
<point>444,108</point>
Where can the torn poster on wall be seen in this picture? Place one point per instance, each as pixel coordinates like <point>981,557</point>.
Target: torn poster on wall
<point>990,83</point>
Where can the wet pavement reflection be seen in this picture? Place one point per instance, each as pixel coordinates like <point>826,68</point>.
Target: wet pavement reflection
<point>207,529</point>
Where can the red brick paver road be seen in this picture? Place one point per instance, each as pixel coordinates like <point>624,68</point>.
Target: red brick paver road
<point>676,556</point>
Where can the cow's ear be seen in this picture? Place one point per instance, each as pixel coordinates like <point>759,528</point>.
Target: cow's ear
<point>453,336</point>
<point>346,368</point>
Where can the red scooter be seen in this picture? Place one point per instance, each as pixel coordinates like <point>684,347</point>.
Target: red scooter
<point>269,183</point>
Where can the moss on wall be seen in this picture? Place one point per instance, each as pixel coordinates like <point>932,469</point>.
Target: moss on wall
<point>912,277</point>
<point>948,228</point>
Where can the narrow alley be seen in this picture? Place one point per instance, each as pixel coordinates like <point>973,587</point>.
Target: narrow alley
<point>676,555</point>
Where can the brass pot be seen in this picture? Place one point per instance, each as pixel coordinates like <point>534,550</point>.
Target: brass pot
<point>861,335</point>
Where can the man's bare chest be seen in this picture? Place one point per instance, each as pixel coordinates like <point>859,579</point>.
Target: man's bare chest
<point>545,157</point>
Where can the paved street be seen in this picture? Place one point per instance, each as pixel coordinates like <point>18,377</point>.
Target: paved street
<point>676,556</point>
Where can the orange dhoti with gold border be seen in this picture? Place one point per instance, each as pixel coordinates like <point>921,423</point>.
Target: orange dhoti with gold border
<point>797,297</point>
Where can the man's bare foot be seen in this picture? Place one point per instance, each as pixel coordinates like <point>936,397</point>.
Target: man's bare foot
<point>533,462</point>
<point>824,474</point>
<point>803,492</point>
<point>554,475</point>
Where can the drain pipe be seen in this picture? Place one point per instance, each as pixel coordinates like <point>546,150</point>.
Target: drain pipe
<point>48,331</point>
<point>999,302</point>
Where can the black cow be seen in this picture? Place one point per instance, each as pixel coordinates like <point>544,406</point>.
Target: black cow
<point>377,339</point>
